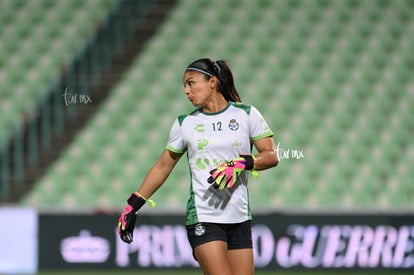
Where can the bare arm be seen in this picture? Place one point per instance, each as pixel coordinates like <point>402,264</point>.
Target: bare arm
<point>267,154</point>
<point>158,173</point>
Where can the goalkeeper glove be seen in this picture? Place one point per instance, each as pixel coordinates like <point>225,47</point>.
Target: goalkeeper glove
<point>226,174</point>
<point>126,222</point>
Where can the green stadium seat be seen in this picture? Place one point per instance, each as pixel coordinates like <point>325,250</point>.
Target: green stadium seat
<point>323,73</point>
<point>28,37</point>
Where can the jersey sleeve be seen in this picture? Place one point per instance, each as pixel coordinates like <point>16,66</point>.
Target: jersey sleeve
<point>175,140</point>
<point>258,126</point>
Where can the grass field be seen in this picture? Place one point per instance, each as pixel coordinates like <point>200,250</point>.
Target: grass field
<point>197,272</point>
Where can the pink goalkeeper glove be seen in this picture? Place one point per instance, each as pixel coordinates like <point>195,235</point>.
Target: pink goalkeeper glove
<point>126,222</point>
<point>226,174</point>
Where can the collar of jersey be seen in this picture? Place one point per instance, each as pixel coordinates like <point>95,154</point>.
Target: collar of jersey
<point>215,113</point>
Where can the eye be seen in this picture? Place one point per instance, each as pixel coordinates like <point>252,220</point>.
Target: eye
<point>188,82</point>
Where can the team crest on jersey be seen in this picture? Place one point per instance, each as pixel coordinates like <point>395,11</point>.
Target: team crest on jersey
<point>233,125</point>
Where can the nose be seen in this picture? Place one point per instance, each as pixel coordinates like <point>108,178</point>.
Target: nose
<point>186,90</point>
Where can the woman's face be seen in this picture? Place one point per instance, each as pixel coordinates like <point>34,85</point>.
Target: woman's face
<point>198,89</point>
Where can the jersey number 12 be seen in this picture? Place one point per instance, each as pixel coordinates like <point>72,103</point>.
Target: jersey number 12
<point>217,126</point>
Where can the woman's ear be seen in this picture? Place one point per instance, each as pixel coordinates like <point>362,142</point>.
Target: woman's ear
<point>213,82</point>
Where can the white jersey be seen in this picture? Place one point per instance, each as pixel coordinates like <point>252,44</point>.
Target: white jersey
<point>210,139</point>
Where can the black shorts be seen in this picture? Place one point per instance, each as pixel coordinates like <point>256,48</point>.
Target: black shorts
<point>237,235</point>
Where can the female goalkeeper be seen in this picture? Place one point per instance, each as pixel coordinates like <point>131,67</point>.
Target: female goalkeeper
<point>217,137</point>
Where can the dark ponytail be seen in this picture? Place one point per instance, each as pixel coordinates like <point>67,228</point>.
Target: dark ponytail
<point>222,71</point>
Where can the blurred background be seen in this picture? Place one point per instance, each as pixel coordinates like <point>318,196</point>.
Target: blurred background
<point>89,90</point>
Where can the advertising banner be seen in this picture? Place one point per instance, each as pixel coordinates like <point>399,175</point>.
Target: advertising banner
<point>18,240</point>
<point>88,241</point>
<point>281,241</point>
<point>334,241</point>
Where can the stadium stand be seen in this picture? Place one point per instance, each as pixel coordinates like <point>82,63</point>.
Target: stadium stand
<point>62,109</point>
<point>38,38</point>
<point>333,79</point>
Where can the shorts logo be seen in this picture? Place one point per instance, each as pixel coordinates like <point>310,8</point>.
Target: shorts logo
<point>233,125</point>
<point>200,230</point>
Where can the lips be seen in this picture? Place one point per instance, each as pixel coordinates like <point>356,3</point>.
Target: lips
<point>193,100</point>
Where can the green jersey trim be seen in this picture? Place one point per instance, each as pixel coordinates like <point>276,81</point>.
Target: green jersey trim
<point>174,150</point>
<point>215,113</point>
<point>264,135</point>
<point>191,213</point>
<point>249,212</point>
<point>242,106</point>
<point>182,117</point>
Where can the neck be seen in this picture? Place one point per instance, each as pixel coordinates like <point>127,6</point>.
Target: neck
<point>215,106</point>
